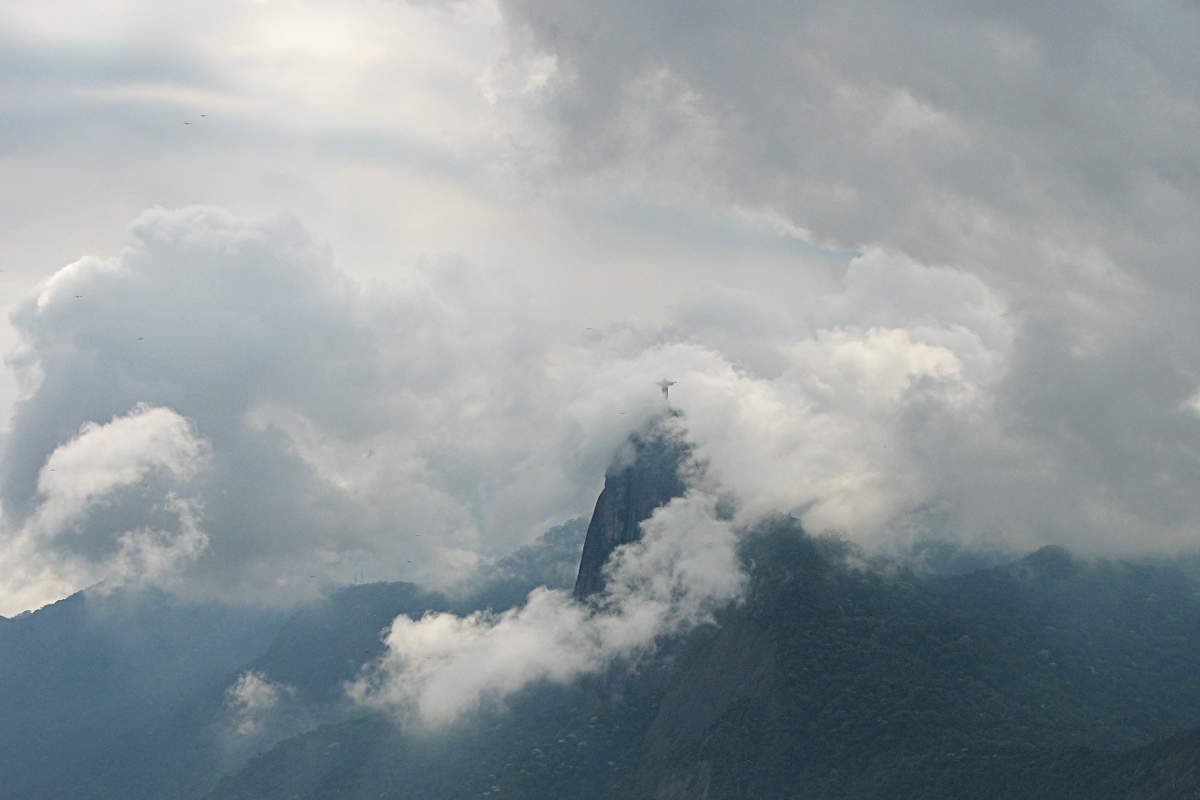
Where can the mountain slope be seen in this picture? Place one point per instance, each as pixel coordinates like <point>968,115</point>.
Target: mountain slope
<point>87,668</point>
<point>644,476</point>
<point>180,751</point>
<point>864,684</point>
<point>1046,677</point>
<point>828,682</point>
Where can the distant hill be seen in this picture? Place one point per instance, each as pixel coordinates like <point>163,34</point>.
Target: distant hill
<point>847,683</point>
<point>179,752</point>
<point>182,745</point>
<point>85,669</point>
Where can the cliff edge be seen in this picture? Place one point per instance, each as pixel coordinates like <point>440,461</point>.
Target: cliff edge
<point>643,476</point>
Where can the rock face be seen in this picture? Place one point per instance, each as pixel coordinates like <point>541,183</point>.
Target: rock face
<point>644,476</point>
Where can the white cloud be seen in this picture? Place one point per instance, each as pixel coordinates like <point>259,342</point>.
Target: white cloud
<point>69,540</point>
<point>119,453</point>
<point>442,666</point>
<point>1193,402</point>
<point>158,557</point>
<point>252,700</point>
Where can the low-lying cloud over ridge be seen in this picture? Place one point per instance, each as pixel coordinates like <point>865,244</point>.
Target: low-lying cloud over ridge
<point>442,666</point>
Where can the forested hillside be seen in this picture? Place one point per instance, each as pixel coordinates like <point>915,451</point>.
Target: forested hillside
<point>829,681</point>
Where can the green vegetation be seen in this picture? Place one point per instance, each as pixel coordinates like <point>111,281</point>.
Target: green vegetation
<point>830,681</point>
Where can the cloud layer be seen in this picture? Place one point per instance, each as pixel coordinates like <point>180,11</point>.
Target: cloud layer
<point>357,431</point>
<point>961,133</point>
<point>919,271</point>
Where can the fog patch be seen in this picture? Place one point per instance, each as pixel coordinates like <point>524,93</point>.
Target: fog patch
<point>252,700</point>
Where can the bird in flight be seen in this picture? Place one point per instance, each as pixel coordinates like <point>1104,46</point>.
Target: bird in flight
<point>666,385</point>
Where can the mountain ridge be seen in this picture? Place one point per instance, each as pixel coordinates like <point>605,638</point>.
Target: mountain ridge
<point>852,682</point>
<point>1047,676</point>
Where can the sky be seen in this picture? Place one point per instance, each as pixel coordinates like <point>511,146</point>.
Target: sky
<point>300,293</point>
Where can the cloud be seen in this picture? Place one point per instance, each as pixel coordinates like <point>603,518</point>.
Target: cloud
<point>258,713</point>
<point>352,429</point>
<point>203,318</point>
<point>105,457</point>
<point>919,271</point>
<point>1038,156</point>
<point>441,666</point>
<point>251,700</point>
<point>71,539</point>
<point>961,134</point>
<point>370,431</point>
<point>157,557</point>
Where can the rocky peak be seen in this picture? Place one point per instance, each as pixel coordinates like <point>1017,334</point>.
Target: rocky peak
<point>643,476</point>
